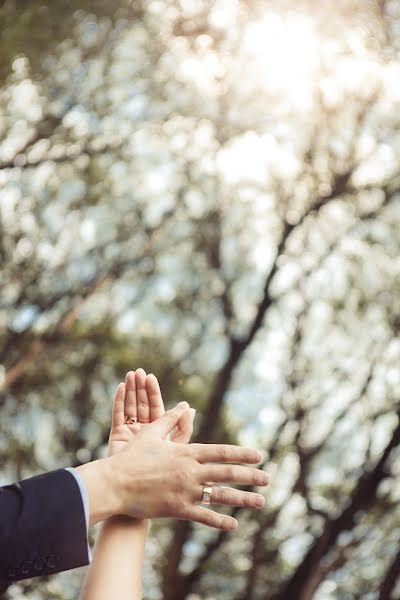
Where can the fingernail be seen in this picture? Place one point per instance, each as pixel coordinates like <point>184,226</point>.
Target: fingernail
<point>260,501</point>
<point>261,455</point>
<point>182,405</point>
<point>193,412</point>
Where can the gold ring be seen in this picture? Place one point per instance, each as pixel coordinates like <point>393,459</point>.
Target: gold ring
<point>130,420</point>
<point>207,492</point>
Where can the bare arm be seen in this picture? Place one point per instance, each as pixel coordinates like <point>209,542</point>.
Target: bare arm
<point>116,568</point>
<point>151,476</point>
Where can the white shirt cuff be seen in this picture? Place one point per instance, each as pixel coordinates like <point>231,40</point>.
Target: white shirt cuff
<point>85,502</point>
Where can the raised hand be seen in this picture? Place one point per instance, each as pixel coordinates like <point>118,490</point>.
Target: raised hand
<point>150,476</point>
<point>137,403</point>
<point>164,479</point>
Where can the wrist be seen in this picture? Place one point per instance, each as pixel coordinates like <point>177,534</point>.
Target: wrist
<point>100,483</point>
<point>128,523</point>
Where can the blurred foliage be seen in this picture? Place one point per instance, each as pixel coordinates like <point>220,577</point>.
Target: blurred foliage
<point>210,191</point>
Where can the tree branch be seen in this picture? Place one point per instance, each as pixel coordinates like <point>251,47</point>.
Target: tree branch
<point>390,579</point>
<point>67,320</point>
<point>302,583</point>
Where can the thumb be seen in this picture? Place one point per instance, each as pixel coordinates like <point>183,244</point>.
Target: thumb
<point>184,427</point>
<point>165,424</point>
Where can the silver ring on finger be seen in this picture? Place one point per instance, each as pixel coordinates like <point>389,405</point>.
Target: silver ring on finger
<point>207,493</point>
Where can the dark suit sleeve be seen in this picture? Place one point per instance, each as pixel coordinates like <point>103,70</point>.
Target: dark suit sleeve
<point>42,527</point>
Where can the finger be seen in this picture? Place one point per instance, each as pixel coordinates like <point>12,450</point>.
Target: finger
<point>142,399</point>
<point>211,518</point>
<point>118,414</point>
<point>155,398</point>
<point>225,453</point>
<point>130,399</point>
<point>184,429</point>
<point>232,497</point>
<point>233,474</point>
<point>168,421</point>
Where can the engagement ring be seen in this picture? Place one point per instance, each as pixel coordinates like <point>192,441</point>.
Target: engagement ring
<point>130,420</point>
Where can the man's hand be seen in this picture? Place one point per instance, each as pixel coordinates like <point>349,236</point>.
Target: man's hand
<point>158,478</point>
<point>154,477</point>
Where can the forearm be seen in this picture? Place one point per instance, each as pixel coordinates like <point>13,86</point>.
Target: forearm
<point>116,568</point>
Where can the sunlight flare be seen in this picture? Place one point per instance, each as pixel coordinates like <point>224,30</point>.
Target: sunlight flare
<point>284,52</point>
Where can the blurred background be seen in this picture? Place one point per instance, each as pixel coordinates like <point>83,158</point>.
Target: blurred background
<point>211,191</point>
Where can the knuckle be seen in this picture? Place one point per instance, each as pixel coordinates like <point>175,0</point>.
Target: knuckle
<point>194,471</point>
<point>187,462</point>
<point>182,480</point>
<point>180,508</point>
<point>225,523</point>
<point>144,418</point>
<point>222,452</point>
<point>170,504</point>
<point>169,419</point>
<point>189,450</point>
<point>174,505</point>
<point>256,477</point>
<point>187,455</point>
<point>222,495</point>
<point>250,457</point>
<point>230,472</point>
<point>183,455</point>
<point>209,518</point>
<point>248,500</point>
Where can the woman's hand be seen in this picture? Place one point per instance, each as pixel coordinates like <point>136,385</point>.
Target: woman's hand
<point>140,400</point>
<point>119,551</point>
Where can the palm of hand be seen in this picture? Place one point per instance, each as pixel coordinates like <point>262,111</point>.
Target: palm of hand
<point>138,397</point>
<point>121,435</point>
